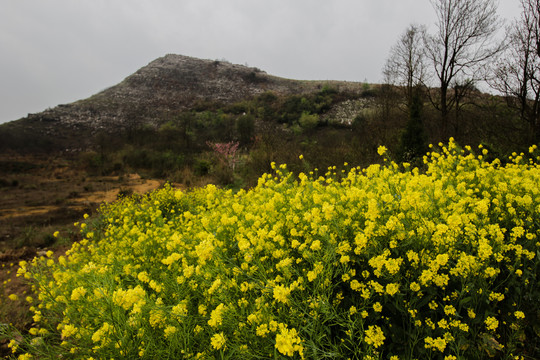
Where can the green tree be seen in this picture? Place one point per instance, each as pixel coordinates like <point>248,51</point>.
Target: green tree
<point>245,127</point>
<point>413,143</point>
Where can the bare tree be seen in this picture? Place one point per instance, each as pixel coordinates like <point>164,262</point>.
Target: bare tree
<point>405,66</point>
<point>464,40</point>
<point>517,74</point>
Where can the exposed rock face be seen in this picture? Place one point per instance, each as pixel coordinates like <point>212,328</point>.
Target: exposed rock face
<point>347,111</point>
<point>182,79</point>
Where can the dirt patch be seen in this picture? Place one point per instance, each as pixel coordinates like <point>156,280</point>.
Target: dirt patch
<point>45,196</point>
<point>132,183</point>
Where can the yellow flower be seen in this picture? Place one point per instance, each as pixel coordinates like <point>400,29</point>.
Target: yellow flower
<point>157,318</point>
<point>377,307</point>
<point>443,324</point>
<point>491,323</point>
<point>171,259</point>
<point>218,341</point>
<point>496,296</point>
<point>68,330</point>
<point>13,345</point>
<point>180,310</point>
<point>519,315</point>
<point>78,293</point>
<point>37,316</point>
<point>169,331</point>
<point>355,285</point>
<point>437,343</point>
<point>414,286</point>
<point>381,150</point>
<point>281,293</point>
<point>392,289</point>
<point>127,298</point>
<point>374,336</point>
<point>216,316</point>
<point>491,272</point>
<point>262,330</point>
<point>102,332</point>
<point>143,277</point>
<point>252,318</point>
<point>449,310</point>
<point>288,342</point>
<point>315,245</point>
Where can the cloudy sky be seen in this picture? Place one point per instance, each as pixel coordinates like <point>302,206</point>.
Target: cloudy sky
<point>58,51</point>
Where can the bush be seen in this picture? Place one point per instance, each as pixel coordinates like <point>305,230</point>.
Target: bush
<point>245,127</point>
<point>160,163</point>
<point>203,164</point>
<point>384,262</point>
<point>308,121</point>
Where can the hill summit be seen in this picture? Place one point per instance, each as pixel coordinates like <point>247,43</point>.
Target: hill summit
<point>167,85</point>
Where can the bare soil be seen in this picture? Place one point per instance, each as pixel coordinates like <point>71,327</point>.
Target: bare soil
<point>38,197</point>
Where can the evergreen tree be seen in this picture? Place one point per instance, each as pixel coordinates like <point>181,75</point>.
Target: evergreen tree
<point>414,140</point>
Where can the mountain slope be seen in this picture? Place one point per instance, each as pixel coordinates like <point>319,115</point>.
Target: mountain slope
<point>167,85</point>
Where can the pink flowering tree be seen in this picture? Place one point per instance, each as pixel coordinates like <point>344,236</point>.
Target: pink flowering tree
<point>227,152</point>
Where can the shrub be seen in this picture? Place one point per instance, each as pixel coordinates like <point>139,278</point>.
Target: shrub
<point>160,163</point>
<point>245,127</point>
<point>202,166</point>
<point>308,121</point>
<point>378,263</point>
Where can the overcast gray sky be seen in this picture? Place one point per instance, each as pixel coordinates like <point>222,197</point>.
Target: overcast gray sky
<point>58,51</point>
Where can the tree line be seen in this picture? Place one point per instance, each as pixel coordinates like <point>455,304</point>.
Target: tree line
<point>443,68</point>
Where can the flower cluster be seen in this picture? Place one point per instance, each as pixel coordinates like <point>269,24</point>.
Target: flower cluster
<point>382,262</point>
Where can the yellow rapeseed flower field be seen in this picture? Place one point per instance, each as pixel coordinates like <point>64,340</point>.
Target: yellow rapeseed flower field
<point>385,262</point>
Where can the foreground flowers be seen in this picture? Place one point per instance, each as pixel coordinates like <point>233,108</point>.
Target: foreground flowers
<point>381,262</point>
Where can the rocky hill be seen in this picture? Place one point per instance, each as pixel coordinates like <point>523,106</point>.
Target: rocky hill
<point>167,85</point>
